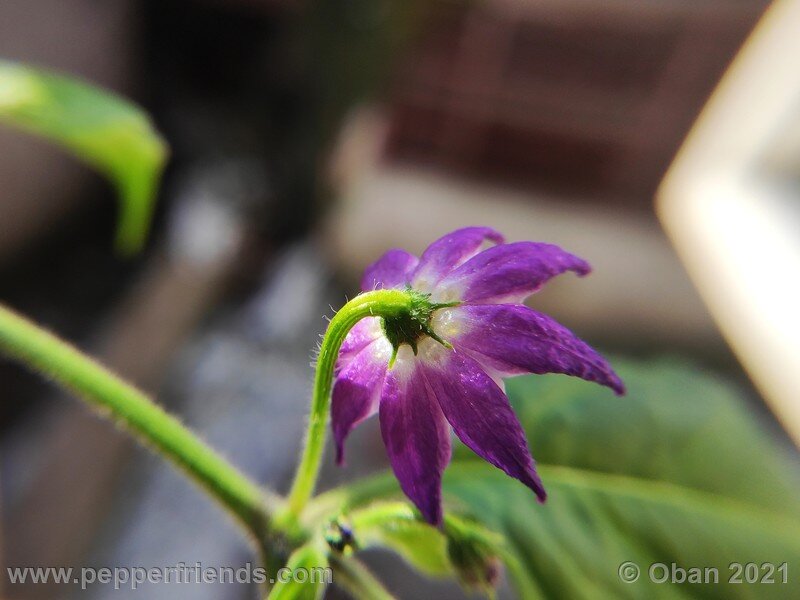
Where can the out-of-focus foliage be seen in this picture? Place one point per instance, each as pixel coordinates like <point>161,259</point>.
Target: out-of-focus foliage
<point>678,471</point>
<point>109,133</point>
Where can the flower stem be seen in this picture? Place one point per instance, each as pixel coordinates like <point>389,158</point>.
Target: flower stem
<point>30,344</point>
<point>379,303</point>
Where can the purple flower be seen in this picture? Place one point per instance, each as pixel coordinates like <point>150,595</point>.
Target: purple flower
<point>442,365</point>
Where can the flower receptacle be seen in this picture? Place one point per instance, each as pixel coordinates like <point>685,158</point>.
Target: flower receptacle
<point>410,326</point>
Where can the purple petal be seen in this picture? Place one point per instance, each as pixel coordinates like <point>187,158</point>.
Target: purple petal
<point>508,273</point>
<point>448,252</point>
<point>356,391</point>
<point>389,271</point>
<point>480,414</point>
<point>416,436</point>
<point>363,333</point>
<point>511,339</point>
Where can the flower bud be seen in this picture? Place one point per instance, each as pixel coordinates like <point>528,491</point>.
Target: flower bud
<point>474,554</point>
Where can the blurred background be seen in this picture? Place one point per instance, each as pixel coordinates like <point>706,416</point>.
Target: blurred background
<point>306,138</point>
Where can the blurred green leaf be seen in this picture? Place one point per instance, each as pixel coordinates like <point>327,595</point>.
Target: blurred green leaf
<point>397,526</point>
<point>676,424</point>
<point>678,471</point>
<point>109,133</point>
<point>574,546</point>
<point>307,563</point>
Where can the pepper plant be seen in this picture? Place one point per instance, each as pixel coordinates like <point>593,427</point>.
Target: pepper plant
<point>675,472</point>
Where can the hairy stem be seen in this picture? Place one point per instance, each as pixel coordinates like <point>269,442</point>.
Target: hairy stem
<point>380,303</point>
<point>42,351</point>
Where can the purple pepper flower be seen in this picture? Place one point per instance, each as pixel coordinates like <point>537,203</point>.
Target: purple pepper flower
<point>443,365</point>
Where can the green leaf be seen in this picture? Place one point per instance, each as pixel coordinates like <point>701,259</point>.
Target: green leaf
<point>575,544</point>
<point>678,471</point>
<point>109,133</point>
<point>396,526</point>
<point>306,580</point>
<point>676,424</point>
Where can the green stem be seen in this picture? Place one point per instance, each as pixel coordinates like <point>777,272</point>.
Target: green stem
<point>30,344</point>
<point>380,303</point>
<point>351,574</point>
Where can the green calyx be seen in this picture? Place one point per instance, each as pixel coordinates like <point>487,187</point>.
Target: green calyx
<point>410,326</point>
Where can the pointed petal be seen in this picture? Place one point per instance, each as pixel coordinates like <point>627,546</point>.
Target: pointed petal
<point>480,413</point>
<point>363,333</point>
<point>356,391</point>
<point>448,252</point>
<point>511,339</point>
<point>389,271</point>
<point>508,273</point>
<point>416,436</point>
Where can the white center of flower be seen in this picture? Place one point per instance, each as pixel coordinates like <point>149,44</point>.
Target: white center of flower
<point>445,324</point>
